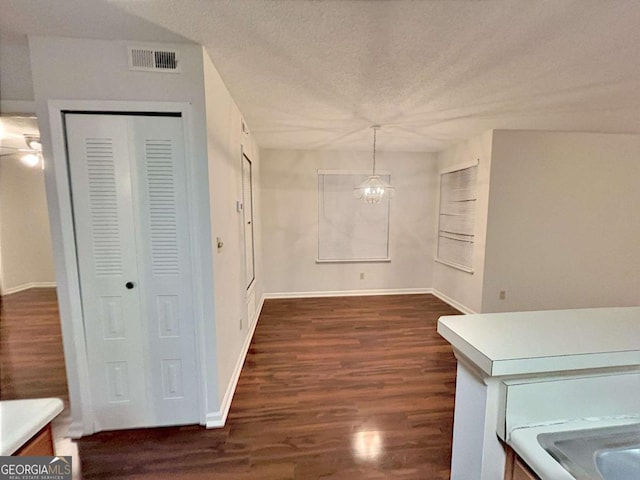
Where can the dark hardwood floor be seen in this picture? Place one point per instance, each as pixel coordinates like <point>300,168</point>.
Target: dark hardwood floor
<point>31,358</point>
<point>340,388</point>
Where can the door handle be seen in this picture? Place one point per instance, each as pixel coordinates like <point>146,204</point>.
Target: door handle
<point>129,285</point>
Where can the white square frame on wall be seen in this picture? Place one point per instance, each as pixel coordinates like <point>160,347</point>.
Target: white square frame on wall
<point>350,230</point>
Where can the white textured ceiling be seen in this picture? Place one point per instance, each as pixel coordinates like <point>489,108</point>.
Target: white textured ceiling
<point>317,74</point>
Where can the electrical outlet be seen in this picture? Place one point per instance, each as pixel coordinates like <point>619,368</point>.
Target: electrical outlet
<point>503,294</point>
<point>361,275</point>
<point>240,323</point>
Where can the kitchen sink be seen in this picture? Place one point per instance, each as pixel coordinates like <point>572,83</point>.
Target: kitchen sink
<point>608,453</point>
<point>619,463</point>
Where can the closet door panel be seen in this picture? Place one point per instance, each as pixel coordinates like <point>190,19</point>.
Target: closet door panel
<point>165,258</point>
<point>99,163</point>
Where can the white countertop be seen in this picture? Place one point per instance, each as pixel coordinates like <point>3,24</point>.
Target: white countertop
<point>22,419</point>
<point>522,343</point>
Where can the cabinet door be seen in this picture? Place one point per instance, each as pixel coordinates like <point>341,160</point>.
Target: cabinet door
<point>128,183</point>
<point>520,472</point>
<point>516,469</point>
<point>41,445</point>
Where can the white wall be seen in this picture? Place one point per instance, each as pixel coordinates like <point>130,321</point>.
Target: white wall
<point>26,258</point>
<point>235,308</point>
<point>84,69</point>
<point>215,147</point>
<point>564,221</point>
<point>290,223</point>
<point>16,84</point>
<point>464,289</point>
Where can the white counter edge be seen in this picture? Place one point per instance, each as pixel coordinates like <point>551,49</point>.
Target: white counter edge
<point>561,363</point>
<point>458,343</point>
<point>531,365</point>
<point>14,430</point>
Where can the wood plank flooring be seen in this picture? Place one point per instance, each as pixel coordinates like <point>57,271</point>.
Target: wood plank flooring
<point>31,358</point>
<point>332,388</point>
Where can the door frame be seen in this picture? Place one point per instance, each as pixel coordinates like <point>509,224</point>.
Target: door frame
<point>57,177</point>
<point>248,288</point>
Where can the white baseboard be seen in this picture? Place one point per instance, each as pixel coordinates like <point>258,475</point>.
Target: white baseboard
<point>348,293</point>
<point>454,303</point>
<point>352,293</point>
<point>219,418</point>
<point>27,286</point>
<point>76,430</point>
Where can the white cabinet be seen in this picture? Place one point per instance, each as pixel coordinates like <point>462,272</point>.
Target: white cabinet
<point>130,210</point>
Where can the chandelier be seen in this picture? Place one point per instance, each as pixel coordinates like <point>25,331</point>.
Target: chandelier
<point>373,189</point>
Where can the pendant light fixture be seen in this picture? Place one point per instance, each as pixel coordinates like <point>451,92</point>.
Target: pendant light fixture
<point>373,189</point>
<point>33,156</point>
<point>29,157</point>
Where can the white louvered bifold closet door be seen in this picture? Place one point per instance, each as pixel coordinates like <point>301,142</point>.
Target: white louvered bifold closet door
<point>130,211</point>
<point>166,268</point>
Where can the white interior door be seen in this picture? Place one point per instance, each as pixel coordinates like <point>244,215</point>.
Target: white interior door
<point>165,261</point>
<point>247,202</point>
<point>129,197</point>
<point>103,215</point>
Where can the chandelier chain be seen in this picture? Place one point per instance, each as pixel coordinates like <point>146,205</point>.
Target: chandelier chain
<point>374,150</point>
<point>373,189</point>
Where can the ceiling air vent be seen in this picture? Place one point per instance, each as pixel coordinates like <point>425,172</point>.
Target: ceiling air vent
<point>152,60</point>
